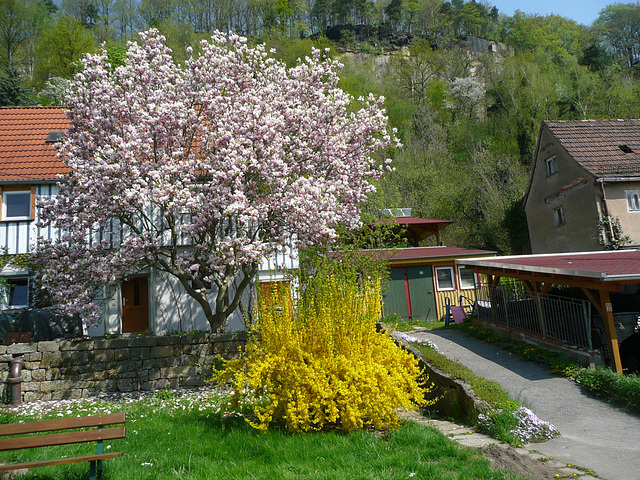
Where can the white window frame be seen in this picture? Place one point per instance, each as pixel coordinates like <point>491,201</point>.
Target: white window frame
<point>8,288</point>
<point>474,277</point>
<point>8,193</point>
<point>633,200</point>
<point>551,165</point>
<point>453,279</point>
<point>558,217</point>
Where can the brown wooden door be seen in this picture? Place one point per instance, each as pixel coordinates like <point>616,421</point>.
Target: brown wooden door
<point>135,305</point>
<point>272,293</point>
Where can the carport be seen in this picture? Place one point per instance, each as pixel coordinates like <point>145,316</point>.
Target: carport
<point>597,274</point>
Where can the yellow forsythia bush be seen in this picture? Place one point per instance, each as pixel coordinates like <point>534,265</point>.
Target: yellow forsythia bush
<point>323,364</point>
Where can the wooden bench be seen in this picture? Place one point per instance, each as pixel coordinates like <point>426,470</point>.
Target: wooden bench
<point>21,438</point>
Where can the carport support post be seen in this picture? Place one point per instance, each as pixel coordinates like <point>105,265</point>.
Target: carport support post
<point>610,327</point>
<point>603,305</point>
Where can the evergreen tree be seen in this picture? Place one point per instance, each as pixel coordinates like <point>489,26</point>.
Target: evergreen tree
<point>12,91</point>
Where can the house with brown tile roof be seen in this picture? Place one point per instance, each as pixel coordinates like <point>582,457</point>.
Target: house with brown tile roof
<point>584,193</point>
<point>28,168</point>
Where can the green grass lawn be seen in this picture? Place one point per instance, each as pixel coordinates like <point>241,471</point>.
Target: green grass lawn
<point>188,437</point>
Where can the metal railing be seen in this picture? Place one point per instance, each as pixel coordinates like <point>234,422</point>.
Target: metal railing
<point>567,320</point>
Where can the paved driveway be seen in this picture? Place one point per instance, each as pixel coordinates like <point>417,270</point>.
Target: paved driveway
<point>594,434</point>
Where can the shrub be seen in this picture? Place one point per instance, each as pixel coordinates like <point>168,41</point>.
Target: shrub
<point>516,426</point>
<point>603,382</point>
<point>324,364</point>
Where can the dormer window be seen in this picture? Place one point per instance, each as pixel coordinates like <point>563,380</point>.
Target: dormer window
<point>55,137</point>
<point>552,165</point>
<point>625,148</point>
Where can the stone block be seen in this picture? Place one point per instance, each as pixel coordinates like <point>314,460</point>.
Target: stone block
<point>173,340</point>
<point>50,386</point>
<point>51,359</point>
<point>6,358</point>
<point>160,352</point>
<point>30,386</point>
<point>111,343</point>
<point>67,394</point>
<point>75,358</point>
<point>121,354</point>
<point>21,348</point>
<point>29,397</point>
<point>51,346</point>
<point>192,382</point>
<point>103,355</point>
<point>105,386</point>
<point>196,338</point>
<point>122,366</point>
<point>125,385</point>
<point>135,352</point>
<point>54,374</point>
<point>39,375</point>
<point>98,366</point>
<point>83,346</point>
<point>3,349</point>
<point>143,341</point>
<point>34,357</point>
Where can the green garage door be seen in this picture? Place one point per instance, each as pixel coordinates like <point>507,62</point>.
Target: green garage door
<point>418,302</point>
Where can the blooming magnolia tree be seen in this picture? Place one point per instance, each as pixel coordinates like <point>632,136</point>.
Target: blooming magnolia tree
<point>202,169</point>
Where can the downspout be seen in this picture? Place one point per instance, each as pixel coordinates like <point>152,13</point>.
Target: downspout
<point>605,207</point>
<point>15,380</point>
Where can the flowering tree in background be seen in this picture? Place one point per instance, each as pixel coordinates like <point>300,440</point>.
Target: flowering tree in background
<point>202,169</point>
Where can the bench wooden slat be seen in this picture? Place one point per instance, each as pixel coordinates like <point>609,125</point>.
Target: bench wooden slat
<point>59,461</point>
<point>62,438</point>
<point>62,424</point>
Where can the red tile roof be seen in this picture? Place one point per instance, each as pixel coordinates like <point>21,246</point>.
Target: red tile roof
<point>607,265</point>
<point>24,152</point>
<point>419,253</point>
<point>603,147</point>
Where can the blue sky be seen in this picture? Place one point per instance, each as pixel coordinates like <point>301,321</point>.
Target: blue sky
<point>582,11</point>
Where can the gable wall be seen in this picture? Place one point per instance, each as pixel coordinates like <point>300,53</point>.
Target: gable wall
<point>580,205</point>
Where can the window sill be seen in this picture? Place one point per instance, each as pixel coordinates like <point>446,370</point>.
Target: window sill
<point>16,220</point>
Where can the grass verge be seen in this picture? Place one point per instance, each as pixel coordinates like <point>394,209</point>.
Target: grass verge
<point>170,437</point>
<point>623,390</point>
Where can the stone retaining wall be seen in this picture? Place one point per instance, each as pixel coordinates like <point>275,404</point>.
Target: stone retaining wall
<point>454,396</point>
<point>65,369</point>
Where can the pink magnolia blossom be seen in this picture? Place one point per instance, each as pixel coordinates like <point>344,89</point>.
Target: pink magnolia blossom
<point>202,169</point>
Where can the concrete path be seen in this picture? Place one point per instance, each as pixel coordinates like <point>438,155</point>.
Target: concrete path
<point>594,435</point>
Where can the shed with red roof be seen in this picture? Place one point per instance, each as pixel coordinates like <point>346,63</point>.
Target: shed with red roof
<point>422,278</point>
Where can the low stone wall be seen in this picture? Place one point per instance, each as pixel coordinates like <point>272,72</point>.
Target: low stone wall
<point>65,369</point>
<point>454,395</point>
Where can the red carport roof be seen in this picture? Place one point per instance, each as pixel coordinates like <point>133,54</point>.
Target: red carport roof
<point>417,253</point>
<point>618,265</point>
